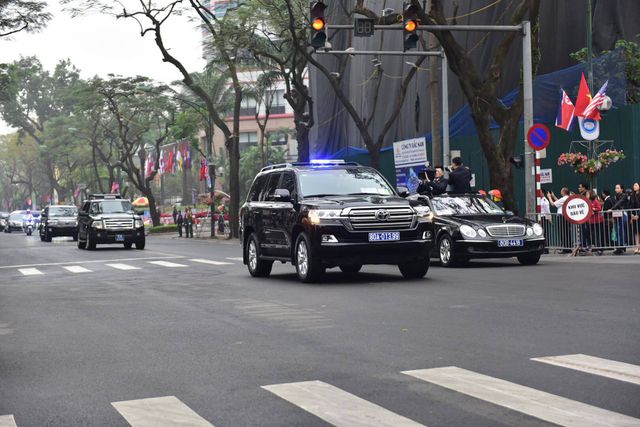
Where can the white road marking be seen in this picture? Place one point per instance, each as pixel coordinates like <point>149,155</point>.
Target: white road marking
<point>123,266</point>
<point>164,411</point>
<point>77,269</point>
<point>336,406</point>
<point>47,264</point>
<point>207,261</point>
<point>167,264</point>
<point>536,403</point>
<point>594,365</point>
<point>235,258</point>
<point>7,421</point>
<point>30,271</point>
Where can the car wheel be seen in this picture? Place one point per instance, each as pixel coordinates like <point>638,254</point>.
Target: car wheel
<point>140,245</point>
<point>414,270</point>
<point>75,237</point>
<point>81,244</point>
<point>350,268</point>
<point>47,237</point>
<point>41,237</point>
<point>257,267</point>
<point>529,259</point>
<point>446,253</point>
<point>128,245</point>
<point>308,268</point>
<point>91,245</point>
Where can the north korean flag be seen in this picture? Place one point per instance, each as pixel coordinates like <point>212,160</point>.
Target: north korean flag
<point>564,119</point>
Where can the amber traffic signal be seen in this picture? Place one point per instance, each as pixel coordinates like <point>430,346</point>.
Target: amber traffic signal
<point>318,24</point>
<point>409,26</point>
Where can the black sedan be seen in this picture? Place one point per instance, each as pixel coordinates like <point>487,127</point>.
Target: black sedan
<point>472,226</point>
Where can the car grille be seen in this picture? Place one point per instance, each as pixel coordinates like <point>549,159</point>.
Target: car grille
<point>366,219</point>
<point>506,230</point>
<point>118,224</point>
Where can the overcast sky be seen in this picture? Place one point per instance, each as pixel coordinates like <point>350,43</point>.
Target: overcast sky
<point>100,44</point>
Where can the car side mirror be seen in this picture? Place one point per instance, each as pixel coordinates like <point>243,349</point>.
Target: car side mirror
<point>282,195</point>
<point>509,212</point>
<point>402,191</point>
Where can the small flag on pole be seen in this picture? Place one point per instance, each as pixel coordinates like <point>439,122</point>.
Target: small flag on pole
<point>591,111</point>
<point>564,118</point>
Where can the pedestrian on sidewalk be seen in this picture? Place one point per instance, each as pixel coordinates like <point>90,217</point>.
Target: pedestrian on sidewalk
<point>175,214</point>
<point>179,221</point>
<point>188,223</point>
<point>635,216</point>
<point>621,203</point>
<point>564,227</point>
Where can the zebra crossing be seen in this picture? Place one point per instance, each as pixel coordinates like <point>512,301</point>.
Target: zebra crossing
<point>131,264</point>
<point>342,408</point>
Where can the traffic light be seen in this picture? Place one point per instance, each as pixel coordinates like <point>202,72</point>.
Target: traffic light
<point>318,24</point>
<point>410,26</point>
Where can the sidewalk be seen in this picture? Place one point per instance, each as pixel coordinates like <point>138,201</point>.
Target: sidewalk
<point>202,239</point>
<point>628,259</point>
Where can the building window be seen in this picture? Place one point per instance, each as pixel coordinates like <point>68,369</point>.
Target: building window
<point>248,107</point>
<point>277,138</point>
<point>276,100</point>
<point>247,139</point>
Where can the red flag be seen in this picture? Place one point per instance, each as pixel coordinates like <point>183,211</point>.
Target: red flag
<point>583,100</point>
<point>115,187</point>
<point>564,119</point>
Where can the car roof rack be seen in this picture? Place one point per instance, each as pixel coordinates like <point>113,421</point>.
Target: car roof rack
<point>104,196</point>
<point>312,163</point>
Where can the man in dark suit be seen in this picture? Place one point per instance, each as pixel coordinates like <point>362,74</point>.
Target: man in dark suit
<point>432,182</point>
<point>459,177</point>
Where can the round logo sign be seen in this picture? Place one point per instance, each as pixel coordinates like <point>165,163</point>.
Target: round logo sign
<point>577,209</point>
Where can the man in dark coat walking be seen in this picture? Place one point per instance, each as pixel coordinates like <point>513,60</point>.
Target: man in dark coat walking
<point>179,221</point>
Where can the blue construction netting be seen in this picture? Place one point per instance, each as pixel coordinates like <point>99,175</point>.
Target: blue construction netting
<point>547,95</point>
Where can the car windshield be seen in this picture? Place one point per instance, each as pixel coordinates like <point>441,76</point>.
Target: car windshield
<point>63,211</point>
<point>115,206</point>
<point>465,206</point>
<point>342,182</point>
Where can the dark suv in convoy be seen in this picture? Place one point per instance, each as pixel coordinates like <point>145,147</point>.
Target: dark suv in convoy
<point>107,218</point>
<point>319,216</point>
<point>58,220</point>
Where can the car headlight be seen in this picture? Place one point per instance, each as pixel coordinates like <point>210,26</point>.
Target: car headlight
<point>468,231</point>
<point>423,213</point>
<point>537,229</point>
<point>482,233</point>
<point>138,223</point>
<point>318,215</point>
<point>97,225</point>
<point>529,231</point>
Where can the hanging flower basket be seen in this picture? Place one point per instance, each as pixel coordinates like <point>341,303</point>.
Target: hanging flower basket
<point>583,165</point>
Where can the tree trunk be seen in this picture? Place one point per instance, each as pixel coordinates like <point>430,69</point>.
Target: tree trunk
<point>234,185</point>
<point>302,135</point>
<point>374,152</point>
<point>153,210</point>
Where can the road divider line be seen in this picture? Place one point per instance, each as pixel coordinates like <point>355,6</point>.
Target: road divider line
<point>118,266</point>
<point>167,411</point>
<point>76,269</point>
<point>536,403</point>
<point>167,264</point>
<point>336,406</point>
<point>595,365</point>
<point>207,261</point>
<point>235,258</point>
<point>48,264</point>
<point>7,421</point>
<point>30,271</point>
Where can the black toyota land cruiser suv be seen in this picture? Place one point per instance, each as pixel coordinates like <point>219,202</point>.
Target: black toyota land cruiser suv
<point>319,216</point>
<point>107,218</point>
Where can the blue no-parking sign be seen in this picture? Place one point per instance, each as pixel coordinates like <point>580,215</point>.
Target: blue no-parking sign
<point>538,137</point>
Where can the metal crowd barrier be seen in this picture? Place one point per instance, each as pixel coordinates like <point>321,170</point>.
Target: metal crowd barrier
<point>609,230</point>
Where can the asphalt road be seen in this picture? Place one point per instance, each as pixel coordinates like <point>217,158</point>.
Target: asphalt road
<point>86,335</point>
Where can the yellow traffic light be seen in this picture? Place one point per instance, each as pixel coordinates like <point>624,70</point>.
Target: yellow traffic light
<point>318,24</point>
<point>410,26</point>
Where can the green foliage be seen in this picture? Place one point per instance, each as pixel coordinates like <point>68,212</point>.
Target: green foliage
<point>168,228</point>
<point>630,52</point>
<point>22,15</point>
